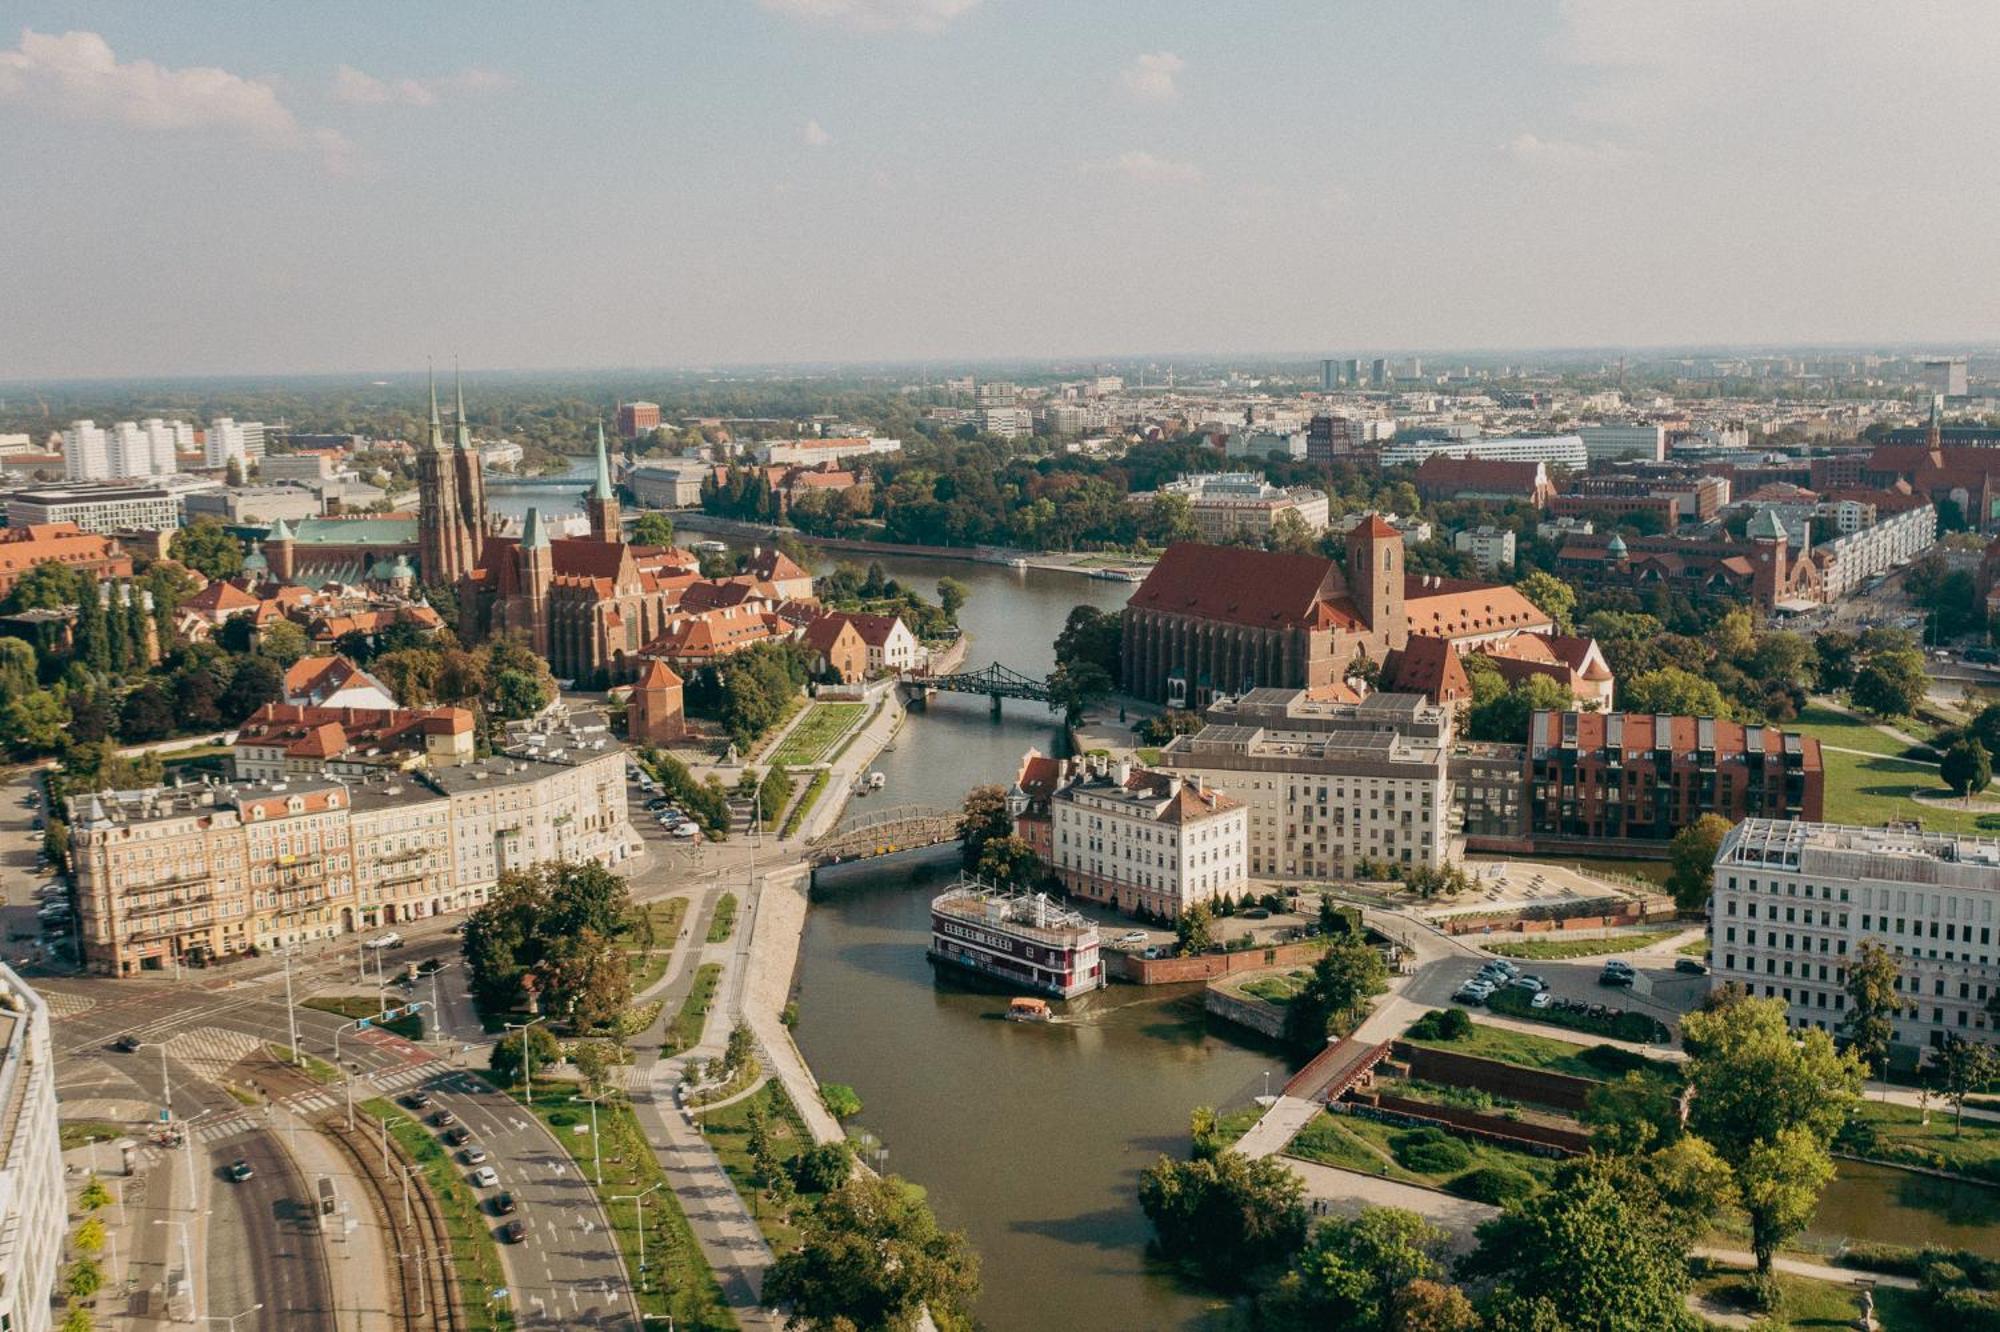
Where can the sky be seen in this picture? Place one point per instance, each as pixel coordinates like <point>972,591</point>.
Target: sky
<point>255,189</point>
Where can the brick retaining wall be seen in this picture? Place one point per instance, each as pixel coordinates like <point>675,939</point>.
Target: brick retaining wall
<point>1558,1090</point>
<point>1208,966</point>
<point>1482,1123</point>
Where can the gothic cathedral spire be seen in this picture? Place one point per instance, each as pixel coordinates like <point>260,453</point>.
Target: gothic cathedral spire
<point>602,501</point>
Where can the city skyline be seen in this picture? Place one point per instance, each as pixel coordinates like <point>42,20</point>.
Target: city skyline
<point>893,181</point>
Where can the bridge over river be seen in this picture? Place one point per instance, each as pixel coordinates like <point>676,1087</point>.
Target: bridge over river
<point>883,832</point>
<point>997,682</point>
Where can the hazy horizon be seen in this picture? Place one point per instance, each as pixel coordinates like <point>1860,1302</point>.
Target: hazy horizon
<point>737,185</point>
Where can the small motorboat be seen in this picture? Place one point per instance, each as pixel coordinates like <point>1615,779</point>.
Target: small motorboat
<point>1025,1009</point>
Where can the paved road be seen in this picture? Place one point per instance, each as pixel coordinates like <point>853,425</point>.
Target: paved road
<point>261,1244</point>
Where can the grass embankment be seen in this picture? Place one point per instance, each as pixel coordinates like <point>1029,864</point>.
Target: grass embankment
<point>1530,1051</point>
<point>728,1133</point>
<point>1370,1147</point>
<point>1277,989</point>
<point>648,940</point>
<point>723,924</point>
<point>684,1032</point>
<point>1556,950</point>
<point>817,732</point>
<point>677,1283</point>
<point>1813,1304</point>
<point>1831,727</point>
<point>82,1132</point>
<point>1652,872</point>
<point>475,1253</point>
<point>805,803</point>
<point>1875,789</point>
<point>358,1006</point>
<point>1897,1134</point>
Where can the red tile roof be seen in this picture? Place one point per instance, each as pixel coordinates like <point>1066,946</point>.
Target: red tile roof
<point>1238,585</point>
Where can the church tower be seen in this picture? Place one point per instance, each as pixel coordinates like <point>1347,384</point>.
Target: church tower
<point>1768,563</point>
<point>602,502</point>
<point>471,481</point>
<point>537,570</point>
<point>443,548</point>
<point>1375,580</point>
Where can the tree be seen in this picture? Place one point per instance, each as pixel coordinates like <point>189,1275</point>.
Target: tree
<point>773,794</point>
<point>593,1060</point>
<point>1675,692</point>
<point>85,1279</point>
<point>1635,1114</point>
<point>1874,998</point>
<point>1009,862</point>
<point>982,818</point>
<point>47,586</point>
<point>1892,683</point>
<point>1090,635</point>
<point>653,529</point>
<point>1963,1067</point>
<point>1430,1306</point>
<point>1769,1102</point>
<point>148,714</point>
<point>841,1100</point>
<point>198,698</point>
<point>1074,687</point>
<point>1225,1216</point>
<point>951,597</point>
<point>1335,996</point>
<point>873,1256</point>
<point>1691,860</point>
<point>517,695</point>
<point>1967,768</point>
<point>204,546</point>
<point>88,1237</point>
<point>34,722</point>
<point>94,1195</point>
<point>283,642</point>
<point>1551,595</point>
<point>1350,1272</point>
<point>1500,712</point>
<point>518,1053</point>
<point>1591,1252</point>
<point>584,978</point>
<point>78,1319</point>
<point>254,683</point>
<point>823,1168</point>
<point>1193,932</point>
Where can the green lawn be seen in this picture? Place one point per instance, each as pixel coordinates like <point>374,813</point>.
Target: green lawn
<point>678,1284</point>
<point>83,1132</point>
<point>1277,989</point>
<point>1556,949</point>
<point>727,1131</point>
<point>817,732</point>
<point>366,1006</point>
<point>475,1253</point>
<point>649,938</point>
<point>1529,1051</point>
<point>723,923</point>
<point>1817,1304</point>
<point>1897,1134</point>
<point>1355,1143</point>
<point>1696,948</point>
<point>1878,789</point>
<point>1837,728</point>
<point>684,1032</point>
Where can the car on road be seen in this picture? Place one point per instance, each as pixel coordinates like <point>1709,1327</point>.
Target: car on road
<point>503,1203</point>
<point>1257,913</point>
<point>474,1155</point>
<point>1542,999</point>
<point>444,1119</point>
<point>240,1171</point>
<point>484,1178</point>
<point>1131,937</point>
<point>1532,984</point>
<point>458,1136</point>
<point>389,940</point>
<point>418,1100</point>
<point>514,1232</point>
<point>429,965</point>
<point>1690,966</point>
<point>1616,973</point>
<point>1501,964</point>
<point>127,1043</point>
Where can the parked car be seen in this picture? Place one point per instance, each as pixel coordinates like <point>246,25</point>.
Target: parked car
<point>514,1232</point>
<point>684,830</point>
<point>484,1178</point>
<point>1690,966</point>
<point>1543,999</point>
<point>1510,968</point>
<point>389,940</point>
<point>1131,937</point>
<point>1532,984</point>
<point>444,1119</point>
<point>1473,992</point>
<point>474,1155</point>
<point>240,1170</point>
<point>1614,976</point>
<point>1256,913</point>
<point>126,1044</point>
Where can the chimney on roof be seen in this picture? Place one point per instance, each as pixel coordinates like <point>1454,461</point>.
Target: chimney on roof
<point>1173,787</point>
<point>1122,773</point>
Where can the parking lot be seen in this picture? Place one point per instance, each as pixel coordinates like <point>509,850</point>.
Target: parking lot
<point>1658,988</point>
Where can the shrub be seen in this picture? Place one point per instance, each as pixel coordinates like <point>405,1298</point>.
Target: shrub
<point>824,1168</point>
<point>1442,1024</point>
<point>1895,1259</point>
<point>842,1102</point>
<point>1497,1185</point>
<point>1430,1151</point>
<point>1613,1060</point>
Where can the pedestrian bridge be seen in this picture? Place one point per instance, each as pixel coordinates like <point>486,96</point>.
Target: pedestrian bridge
<point>997,682</point>
<point>883,832</point>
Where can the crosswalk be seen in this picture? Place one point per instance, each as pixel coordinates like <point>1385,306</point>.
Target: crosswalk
<point>210,1051</point>
<point>212,1129</point>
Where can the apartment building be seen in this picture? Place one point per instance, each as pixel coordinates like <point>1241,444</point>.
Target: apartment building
<point>1624,441</point>
<point>1327,786</point>
<point>1491,548</point>
<point>1229,505</point>
<point>1556,450</point>
<point>1903,527</point>
<point>229,438</point>
<point>198,874</point>
<point>34,1214</point>
<point>1794,901</point>
<point>1147,843</point>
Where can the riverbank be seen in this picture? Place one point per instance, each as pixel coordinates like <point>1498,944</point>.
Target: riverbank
<point>1088,565</point>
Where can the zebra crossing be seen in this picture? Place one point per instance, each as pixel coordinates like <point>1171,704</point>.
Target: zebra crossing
<point>211,1129</point>
<point>210,1051</point>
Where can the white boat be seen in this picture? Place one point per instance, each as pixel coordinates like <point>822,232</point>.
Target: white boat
<point>876,781</point>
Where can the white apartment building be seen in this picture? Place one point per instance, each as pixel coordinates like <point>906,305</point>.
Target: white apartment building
<point>673,484</point>
<point>1328,785</point>
<point>1793,902</point>
<point>1624,441</point>
<point>1266,444</point>
<point>102,508</point>
<point>1894,539</point>
<point>1491,548</point>
<point>1007,422</point>
<point>34,1214</point>
<point>86,448</point>
<point>1227,505</point>
<point>229,438</point>
<point>1151,843</point>
<point>1556,450</point>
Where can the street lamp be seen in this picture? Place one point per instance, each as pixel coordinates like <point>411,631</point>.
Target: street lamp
<point>229,1320</point>
<point>638,1201</point>
<point>527,1053</point>
<point>437,1009</point>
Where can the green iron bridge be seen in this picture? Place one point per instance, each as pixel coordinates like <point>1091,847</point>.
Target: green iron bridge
<point>997,682</point>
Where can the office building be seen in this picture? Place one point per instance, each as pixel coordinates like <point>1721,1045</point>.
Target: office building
<point>811,452</point>
<point>34,1213</point>
<point>255,505</point>
<point>230,439</point>
<point>1378,373</point>
<point>1327,786</point>
<point>1330,438</point>
<point>1794,901</point>
<point>193,874</point>
<point>638,418</point>
<point>1946,376</point>
<point>100,508</point>
<point>1007,422</point>
<point>1147,843</point>
<point>1624,441</point>
<point>673,484</point>
<point>1329,375</point>
<point>1229,505</point>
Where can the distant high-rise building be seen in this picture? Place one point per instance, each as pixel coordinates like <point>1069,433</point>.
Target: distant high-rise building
<point>142,449</point>
<point>1378,373</point>
<point>1946,376</point>
<point>1350,370</point>
<point>1329,375</point>
<point>638,418</point>
<point>229,438</point>
<point>86,452</point>
<point>1416,367</point>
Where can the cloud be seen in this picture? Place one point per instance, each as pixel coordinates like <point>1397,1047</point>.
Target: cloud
<point>1146,168</point>
<point>875,15</point>
<point>813,136</point>
<point>77,76</point>
<point>1533,150</point>
<point>1150,77</point>
<point>359,88</point>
